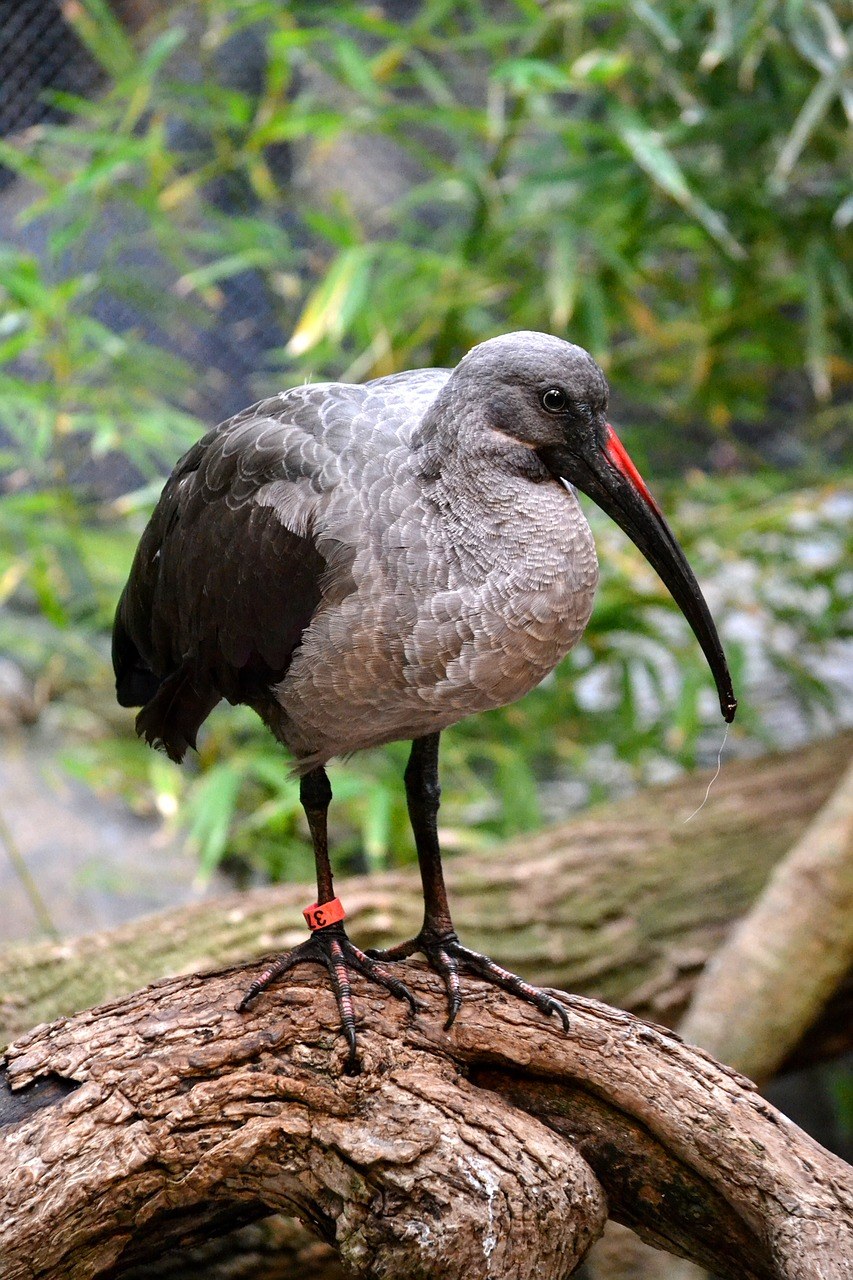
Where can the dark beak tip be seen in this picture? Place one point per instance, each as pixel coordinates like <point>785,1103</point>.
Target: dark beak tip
<point>728,706</point>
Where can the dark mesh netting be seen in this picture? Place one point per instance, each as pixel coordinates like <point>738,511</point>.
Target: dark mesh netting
<point>39,53</point>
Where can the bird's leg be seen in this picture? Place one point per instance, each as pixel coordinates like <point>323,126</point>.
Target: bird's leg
<point>315,796</point>
<point>423,797</point>
<point>438,939</point>
<point>328,945</point>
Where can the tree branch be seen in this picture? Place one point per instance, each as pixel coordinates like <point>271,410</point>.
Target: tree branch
<point>764,987</point>
<point>482,1152</point>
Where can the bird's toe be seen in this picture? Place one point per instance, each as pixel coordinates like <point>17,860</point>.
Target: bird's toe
<point>331,948</point>
<point>365,963</point>
<point>494,973</point>
<point>446,955</point>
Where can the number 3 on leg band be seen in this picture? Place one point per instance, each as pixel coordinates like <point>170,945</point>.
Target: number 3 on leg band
<point>322,914</point>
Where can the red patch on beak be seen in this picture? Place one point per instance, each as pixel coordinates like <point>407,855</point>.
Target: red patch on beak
<point>618,456</point>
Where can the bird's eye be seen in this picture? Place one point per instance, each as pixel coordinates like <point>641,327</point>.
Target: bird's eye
<point>554,400</point>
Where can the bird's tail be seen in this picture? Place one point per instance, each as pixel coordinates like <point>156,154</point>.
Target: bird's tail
<point>135,681</point>
<point>173,706</point>
<point>171,718</point>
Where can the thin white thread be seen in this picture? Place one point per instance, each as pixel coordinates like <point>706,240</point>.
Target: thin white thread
<point>715,777</point>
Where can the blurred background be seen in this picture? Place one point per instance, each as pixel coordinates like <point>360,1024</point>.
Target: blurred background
<point>202,203</point>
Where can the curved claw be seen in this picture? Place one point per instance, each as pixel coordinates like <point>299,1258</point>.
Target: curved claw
<point>338,972</point>
<point>445,953</point>
<point>445,963</point>
<point>511,982</point>
<point>269,975</point>
<point>331,948</point>
<point>362,962</point>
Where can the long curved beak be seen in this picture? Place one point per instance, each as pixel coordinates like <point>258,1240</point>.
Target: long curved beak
<point>609,477</point>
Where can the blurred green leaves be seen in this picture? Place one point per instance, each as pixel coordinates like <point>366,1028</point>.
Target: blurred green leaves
<point>666,184</point>
<point>652,155</point>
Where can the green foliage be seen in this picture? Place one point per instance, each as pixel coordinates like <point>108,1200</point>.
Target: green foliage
<point>663,183</point>
<point>667,183</point>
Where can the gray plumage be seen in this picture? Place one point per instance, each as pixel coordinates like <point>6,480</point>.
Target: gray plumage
<point>363,563</point>
<point>367,563</point>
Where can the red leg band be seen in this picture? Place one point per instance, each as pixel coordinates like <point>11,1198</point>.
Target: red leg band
<point>324,913</point>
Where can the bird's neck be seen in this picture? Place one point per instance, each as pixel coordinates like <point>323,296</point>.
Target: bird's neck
<point>500,510</point>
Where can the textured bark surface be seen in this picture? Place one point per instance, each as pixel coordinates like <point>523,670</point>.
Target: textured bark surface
<point>168,1116</point>
<point>625,903</point>
<point>762,989</point>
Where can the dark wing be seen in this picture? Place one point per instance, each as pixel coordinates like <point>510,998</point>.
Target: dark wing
<point>228,573</point>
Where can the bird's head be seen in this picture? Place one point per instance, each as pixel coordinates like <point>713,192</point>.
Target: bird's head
<point>551,397</point>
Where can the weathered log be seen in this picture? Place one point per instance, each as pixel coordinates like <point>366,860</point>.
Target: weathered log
<point>786,958</point>
<point>624,903</point>
<point>762,989</point>
<point>484,1151</point>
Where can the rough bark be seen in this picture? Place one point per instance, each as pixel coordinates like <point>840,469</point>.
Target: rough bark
<point>484,1152</point>
<point>625,903</point>
<point>762,989</point>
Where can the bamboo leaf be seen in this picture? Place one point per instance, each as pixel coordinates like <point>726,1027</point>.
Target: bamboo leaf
<point>104,36</point>
<point>817,338</point>
<point>652,155</point>
<point>211,814</point>
<point>330,307</point>
<point>814,109</point>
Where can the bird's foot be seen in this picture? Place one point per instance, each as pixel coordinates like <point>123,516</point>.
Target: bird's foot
<point>445,954</point>
<point>332,948</point>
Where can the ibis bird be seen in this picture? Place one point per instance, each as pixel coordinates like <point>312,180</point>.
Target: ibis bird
<point>367,563</point>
